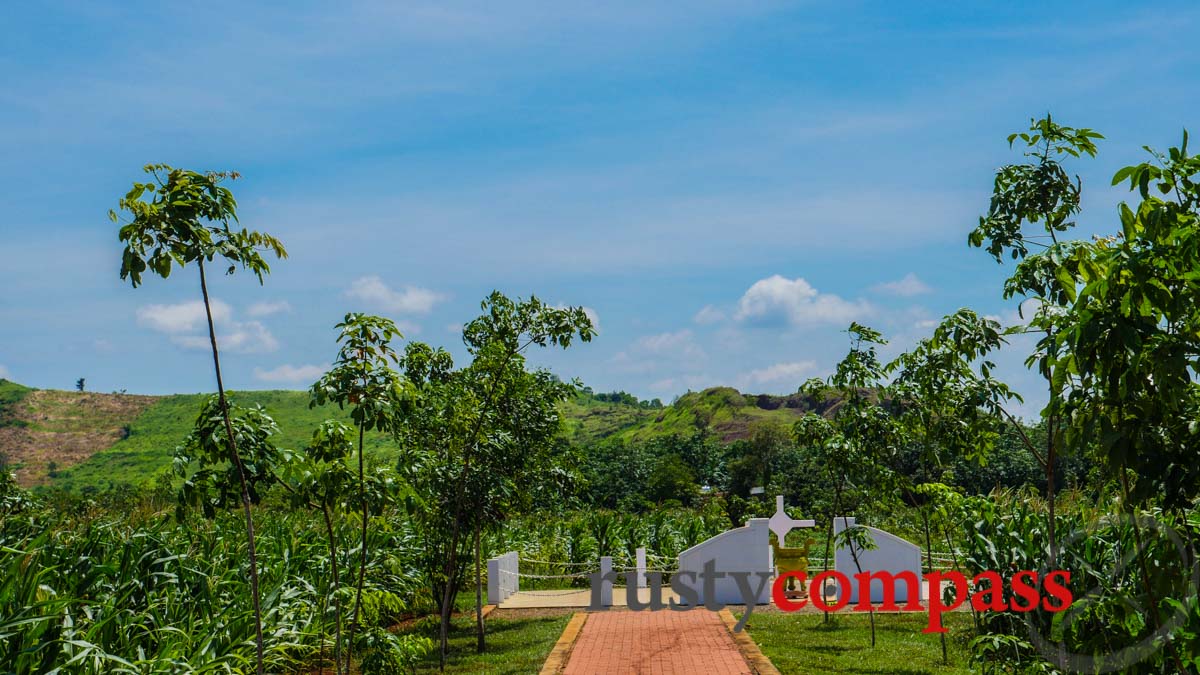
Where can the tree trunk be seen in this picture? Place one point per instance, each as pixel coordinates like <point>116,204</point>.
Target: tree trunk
<point>362,552</point>
<point>480,643</point>
<point>236,460</point>
<point>337,606</point>
<point>857,566</point>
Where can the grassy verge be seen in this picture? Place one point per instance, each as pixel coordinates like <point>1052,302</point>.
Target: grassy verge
<point>804,643</point>
<point>517,645</point>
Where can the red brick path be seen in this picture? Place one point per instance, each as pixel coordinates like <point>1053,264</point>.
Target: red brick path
<point>655,643</point>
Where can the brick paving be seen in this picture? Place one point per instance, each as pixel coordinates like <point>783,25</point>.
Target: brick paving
<point>655,643</point>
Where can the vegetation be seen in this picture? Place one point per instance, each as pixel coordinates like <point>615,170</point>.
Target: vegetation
<point>804,644</point>
<point>402,471</point>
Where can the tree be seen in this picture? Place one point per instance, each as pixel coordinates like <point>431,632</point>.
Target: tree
<point>855,446</point>
<point>474,439</point>
<point>1130,343</point>
<point>362,377</point>
<point>948,403</point>
<point>323,481</point>
<point>187,218</point>
<point>79,384</point>
<point>672,479</point>
<point>1040,191</point>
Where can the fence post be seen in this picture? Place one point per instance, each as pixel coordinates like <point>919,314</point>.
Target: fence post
<point>640,578</point>
<point>495,595</point>
<point>606,586</point>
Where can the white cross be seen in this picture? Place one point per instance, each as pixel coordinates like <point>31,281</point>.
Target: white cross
<point>781,523</point>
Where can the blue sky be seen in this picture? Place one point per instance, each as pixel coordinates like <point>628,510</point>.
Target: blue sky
<point>725,185</point>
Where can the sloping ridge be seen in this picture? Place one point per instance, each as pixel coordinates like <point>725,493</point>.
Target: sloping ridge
<point>45,431</point>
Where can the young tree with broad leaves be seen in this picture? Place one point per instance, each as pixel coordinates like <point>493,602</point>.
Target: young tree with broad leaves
<point>1130,339</point>
<point>181,217</point>
<point>322,480</point>
<point>477,440</point>
<point>857,443</point>
<point>948,404</point>
<point>362,377</point>
<point>1040,193</point>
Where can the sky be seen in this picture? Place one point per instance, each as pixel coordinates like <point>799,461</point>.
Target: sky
<point>724,185</point>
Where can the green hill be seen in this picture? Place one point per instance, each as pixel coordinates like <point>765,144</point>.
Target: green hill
<point>77,440</point>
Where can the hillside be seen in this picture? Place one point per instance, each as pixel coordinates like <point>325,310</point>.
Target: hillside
<point>77,440</point>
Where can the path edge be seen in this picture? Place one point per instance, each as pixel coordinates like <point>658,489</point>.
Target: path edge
<point>556,662</point>
<point>747,646</point>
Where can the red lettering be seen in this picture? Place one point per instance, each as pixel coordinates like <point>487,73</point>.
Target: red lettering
<point>1025,590</point>
<point>1060,592</point>
<point>990,598</point>
<point>818,597</point>
<point>936,604</point>
<point>889,591</point>
<point>779,596</point>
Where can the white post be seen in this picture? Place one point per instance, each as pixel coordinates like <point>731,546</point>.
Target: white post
<point>495,595</point>
<point>606,586</point>
<point>514,568</point>
<point>640,578</point>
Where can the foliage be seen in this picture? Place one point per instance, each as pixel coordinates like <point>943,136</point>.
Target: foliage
<point>210,481</point>
<point>1129,340</point>
<point>187,219</point>
<point>117,586</point>
<point>672,481</point>
<point>472,438</point>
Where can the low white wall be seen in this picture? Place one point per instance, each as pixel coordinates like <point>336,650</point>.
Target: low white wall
<point>502,577</point>
<point>744,549</point>
<point>891,554</point>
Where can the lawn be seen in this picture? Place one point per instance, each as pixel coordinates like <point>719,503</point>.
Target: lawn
<point>804,643</point>
<point>514,645</point>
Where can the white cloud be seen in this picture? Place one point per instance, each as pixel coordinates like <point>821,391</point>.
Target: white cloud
<point>905,287</point>
<point>708,314</point>
<point>288,373</point>
<point>409,300</point>
<point>796,302</point>
<point>182,317</point>
<point>187,327</point>
<point>4,373</point>
<point>268,308</point>
<point>651,352</point>
<point>249,337</point>
<point>780,376</point>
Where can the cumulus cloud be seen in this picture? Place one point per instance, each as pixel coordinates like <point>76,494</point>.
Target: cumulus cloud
<point>650,352</point>
<point>182,317</point>
<point>408,300</point>
<point>249,337</point>
<point>905,287</point>
<point>187,327</point>
<point>4,373</point>
<point>709,314</point>
<point>780,376</point>
<point>260,309</point>
<point>287,373</point>
<point>778,299</point>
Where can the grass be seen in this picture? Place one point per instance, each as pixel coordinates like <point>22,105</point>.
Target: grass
<point>150,439</point>
<point>517,645</point>
<point>804,643</point>
<point>148,449</point>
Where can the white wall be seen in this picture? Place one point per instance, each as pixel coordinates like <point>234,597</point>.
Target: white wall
<point>892,554</point>
<point>744,549</point>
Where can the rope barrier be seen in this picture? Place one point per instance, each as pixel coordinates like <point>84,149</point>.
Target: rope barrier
<point>552,562</point>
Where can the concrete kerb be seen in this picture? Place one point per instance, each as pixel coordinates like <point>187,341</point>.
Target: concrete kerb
<point>748,647</point>
<point>556,662</point>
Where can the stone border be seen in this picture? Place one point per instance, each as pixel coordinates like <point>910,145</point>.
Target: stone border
<point>748,647</point>
<point>557,661</point>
